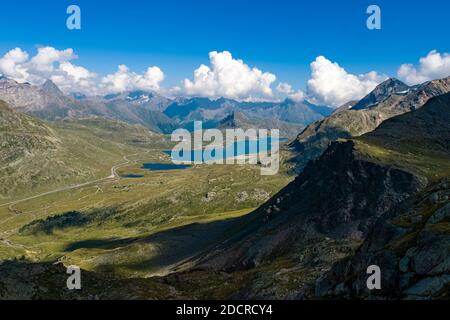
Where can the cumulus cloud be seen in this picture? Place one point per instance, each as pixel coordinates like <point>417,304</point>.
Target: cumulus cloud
<point>332,85</point>
<point>284,87</point>
<point>72,78</point>
<point>231,78</point>
<point>286,90</point>
<point>54,64</point>
<point>124,80</point>
<point>11,64</point>
<point>43,63</point>
<point>434,66</point>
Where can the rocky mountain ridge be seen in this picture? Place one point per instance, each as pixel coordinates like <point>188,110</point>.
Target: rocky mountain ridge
<point>316,137</point>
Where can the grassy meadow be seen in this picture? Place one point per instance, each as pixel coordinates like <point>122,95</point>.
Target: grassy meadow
<point>135,227</point>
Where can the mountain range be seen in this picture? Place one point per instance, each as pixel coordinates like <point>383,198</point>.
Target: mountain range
<point>389,99</point>
<point>156,112</point>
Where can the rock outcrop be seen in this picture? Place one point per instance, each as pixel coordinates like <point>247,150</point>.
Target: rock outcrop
<point>410,244</point>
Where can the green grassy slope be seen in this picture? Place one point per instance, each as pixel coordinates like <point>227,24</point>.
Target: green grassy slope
<point>417,141</point>
<point>39,156</point>
<point>122,225</point>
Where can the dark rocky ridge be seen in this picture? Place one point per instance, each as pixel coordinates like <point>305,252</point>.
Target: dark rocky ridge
<point>338,196</point>
<point>411,242</point>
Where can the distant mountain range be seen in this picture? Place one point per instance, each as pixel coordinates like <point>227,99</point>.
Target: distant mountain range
<point>242,120</point>
<point>158,113</point>
<point>49,103</point>
<point>287,116</point>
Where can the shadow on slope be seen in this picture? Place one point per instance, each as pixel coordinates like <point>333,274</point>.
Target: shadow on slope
<point>161,252</point>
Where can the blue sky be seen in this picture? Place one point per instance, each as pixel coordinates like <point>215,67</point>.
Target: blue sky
<point>282,37</point>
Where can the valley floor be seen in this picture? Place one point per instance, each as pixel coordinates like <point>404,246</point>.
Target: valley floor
<point>136,227</point>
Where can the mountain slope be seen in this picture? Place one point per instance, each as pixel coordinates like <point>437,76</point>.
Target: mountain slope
<point>352,123</point>
<point>149,100</point>
<point>291,111</point>
<point>346,106</point>
<point>381,92</point>
<point>21,135</point>
<point>333,204</point>
<point>142,114</point>
<point>426,128</point>
<point>241,120</point>
<point>38,156</point>
<point>45,102</point>
<point>411,242</point>
<point>338,196</point>
<point>181,108</point>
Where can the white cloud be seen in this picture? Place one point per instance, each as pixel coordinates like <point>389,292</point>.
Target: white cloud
<point>433,66</point>
<point>332,85</point>
<point>11,64</point>
<point>54,64</point>
<point>43,63</point>
<point>72,78</point>
<point>76,72</point>
<point>124,80</point>
<point>230,78</point>
<point>287,91</point>
<point>297,96</point>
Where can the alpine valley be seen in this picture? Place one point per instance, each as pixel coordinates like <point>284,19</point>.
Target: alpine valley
<point>364,184</point>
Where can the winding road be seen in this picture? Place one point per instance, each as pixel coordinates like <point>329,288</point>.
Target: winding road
<point>113,175</point>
